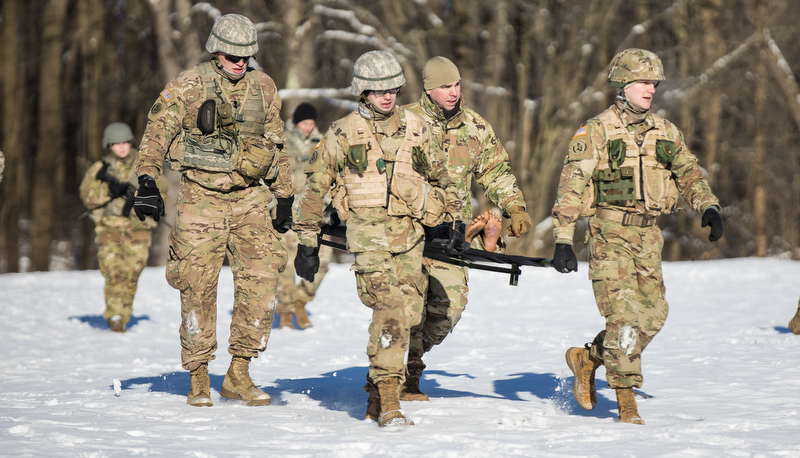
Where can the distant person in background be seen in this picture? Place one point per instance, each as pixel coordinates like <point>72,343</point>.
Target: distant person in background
<point>123,242</point>
<point>794,323</point>
<point>625,167</point>
<point>302,136</point>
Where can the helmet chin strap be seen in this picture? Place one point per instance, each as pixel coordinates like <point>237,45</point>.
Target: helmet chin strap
<point>636,112</point>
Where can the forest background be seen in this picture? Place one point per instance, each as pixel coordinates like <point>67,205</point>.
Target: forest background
<point>534,69</point>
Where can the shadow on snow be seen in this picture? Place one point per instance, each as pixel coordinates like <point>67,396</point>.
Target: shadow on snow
<point>98,322</point>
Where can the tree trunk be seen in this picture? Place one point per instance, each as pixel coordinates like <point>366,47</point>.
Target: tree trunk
<point>10,190</point>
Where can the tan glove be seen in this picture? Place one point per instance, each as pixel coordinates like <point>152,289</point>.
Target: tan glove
<point>520,221</point>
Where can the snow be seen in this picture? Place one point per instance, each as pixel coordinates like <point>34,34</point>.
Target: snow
<point>723,375</point>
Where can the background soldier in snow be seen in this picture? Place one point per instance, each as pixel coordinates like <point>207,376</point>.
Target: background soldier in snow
<point>123,242</point>
<point>302,137</point>
<point>471,149</point>
<point>382,157</point>
<point>624,168</point>
<point>219,124</point>
<point>794,323</point>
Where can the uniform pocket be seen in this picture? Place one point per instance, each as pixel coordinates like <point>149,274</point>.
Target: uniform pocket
<point>179,251</point>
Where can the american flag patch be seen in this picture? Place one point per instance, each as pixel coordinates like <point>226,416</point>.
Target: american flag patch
<point>166,95</point>
<point>579,132</point>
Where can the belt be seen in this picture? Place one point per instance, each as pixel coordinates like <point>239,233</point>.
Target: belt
<point>625,218</point>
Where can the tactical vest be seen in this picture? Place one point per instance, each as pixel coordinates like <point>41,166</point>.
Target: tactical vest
<point>628,173</point>
<point>237,140</point>
<point>367,184</point>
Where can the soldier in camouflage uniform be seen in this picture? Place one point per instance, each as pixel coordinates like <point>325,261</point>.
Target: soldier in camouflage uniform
<point>302,137</point>
<point>624,168</point>
<point>123,242</point>
<point>219,124</point>
<point>390,178</point>
<point>471,150</point>
<point>794,323</point>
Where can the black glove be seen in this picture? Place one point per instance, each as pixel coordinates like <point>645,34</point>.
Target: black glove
<point>148,199</point>
<point>283,214</point>
<point>711,218</point>
<point>564,259</point>
<point>455,242</point>
<point>116,189</point>
<point>306,263</point>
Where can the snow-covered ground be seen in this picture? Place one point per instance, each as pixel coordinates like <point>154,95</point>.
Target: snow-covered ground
<point>723,375</point>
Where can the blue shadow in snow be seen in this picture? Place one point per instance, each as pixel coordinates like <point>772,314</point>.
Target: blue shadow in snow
<point>98,322</point>
<point>783,329</point>
<point>434,389</point>
<point>171,382</point>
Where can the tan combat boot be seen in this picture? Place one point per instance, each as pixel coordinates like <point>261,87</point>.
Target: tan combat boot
<point>116,323</point>
<point>200,387</point>
<point>583,366</point>
<point>285,320</point>
<point>794,323</point>
<point>628,413</point>
<point>373,407</point>
<point>302,317</point>
<point>410,390</point>
<point>239,386</point>
<point>391,415</point>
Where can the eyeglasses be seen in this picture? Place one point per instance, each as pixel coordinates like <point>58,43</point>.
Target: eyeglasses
<point>235,59</point>
<point>386,91</point>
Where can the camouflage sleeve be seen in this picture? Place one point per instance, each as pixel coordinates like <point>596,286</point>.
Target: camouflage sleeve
<point>688,175</point>
<point>434,165</point>
<point>94,193</point>
<point>163,125</point>
<point>281,187</point>
<point>493,173</point>
<point>324,164</point>
<point>585,150</point>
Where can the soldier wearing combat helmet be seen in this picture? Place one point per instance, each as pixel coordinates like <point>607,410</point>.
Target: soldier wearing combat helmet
<point>219,125</point>
<point>389,180</point>
<point>625,167</point>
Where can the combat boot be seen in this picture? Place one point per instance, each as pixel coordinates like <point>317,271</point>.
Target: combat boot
<point>116,323</point>
<point>583,366</point>
<point>302,316</point>
<point>285,320</point>
<point>373,407</point>
<point>200,387</point>
<point>410,390</point>
<point>391,414</point>
<point>794,323</point>
<point>239,386</point>
<point>628,413</point>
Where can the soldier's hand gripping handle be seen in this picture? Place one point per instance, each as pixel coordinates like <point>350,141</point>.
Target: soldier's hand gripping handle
<point>283,214</point>
<point>711,218</point>
<point>306,263</point>
<point>148,199</point>
<point>520,221</point>
<point>456,243</point>
<point>564,259</point>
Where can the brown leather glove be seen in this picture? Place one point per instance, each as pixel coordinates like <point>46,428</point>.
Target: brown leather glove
<point>520,221</point>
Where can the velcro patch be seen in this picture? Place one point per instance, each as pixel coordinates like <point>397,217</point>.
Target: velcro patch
<point>166,95</point>
<point>579,132</point>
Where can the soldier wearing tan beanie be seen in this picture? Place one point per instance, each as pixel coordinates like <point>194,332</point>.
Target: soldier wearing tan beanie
<point>472,152</point>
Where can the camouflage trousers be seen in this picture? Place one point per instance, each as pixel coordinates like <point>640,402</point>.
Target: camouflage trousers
<point>625,269</point>
<point>445,301</point>
<point>391,284</point>
<point>121,254</point>
<point>209,224</point>
<point>289,291</point>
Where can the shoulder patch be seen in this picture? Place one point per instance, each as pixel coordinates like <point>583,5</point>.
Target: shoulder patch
<point>579,132</point>
<point>314,155</point>
<point>157,107</point>
<point>166,95</point>
<point>579,150</point>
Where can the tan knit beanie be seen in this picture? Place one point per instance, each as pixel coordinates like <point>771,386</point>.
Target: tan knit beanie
<point>439,71</point>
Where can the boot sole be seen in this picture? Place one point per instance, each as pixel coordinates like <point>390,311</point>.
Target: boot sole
<point>575,372</point>
<point>200,403</point>
<point>234,396</point>
<point>399,420</point>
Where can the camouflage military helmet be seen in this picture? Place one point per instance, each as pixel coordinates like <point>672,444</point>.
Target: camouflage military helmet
<point>233,34</point>
<point>117,132</point>
<point>634,65</point>
<point>376,71</point>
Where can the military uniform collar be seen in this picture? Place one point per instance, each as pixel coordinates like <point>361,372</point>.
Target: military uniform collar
<point>436,112</point>
<point>628,120</point>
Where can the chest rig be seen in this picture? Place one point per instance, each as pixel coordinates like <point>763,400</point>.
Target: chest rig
<point>635,176</point>
<point>221,138</point>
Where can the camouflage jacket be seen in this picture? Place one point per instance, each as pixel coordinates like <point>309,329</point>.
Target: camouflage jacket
<point>298,149</point>
<point>471,148</point>
<point>95,193</point>
<point>368,228</point>
<point>588,152</point>
<point>178,106</point>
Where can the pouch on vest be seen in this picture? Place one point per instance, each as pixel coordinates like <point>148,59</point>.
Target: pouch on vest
<point>436,207</point>
<point>665,151</point>
<point>207,117</point>
<point>357,157</point>
<point>616,187</point>
<point>339,200</point>
<point>256,160</point>
<point>616,152</point>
